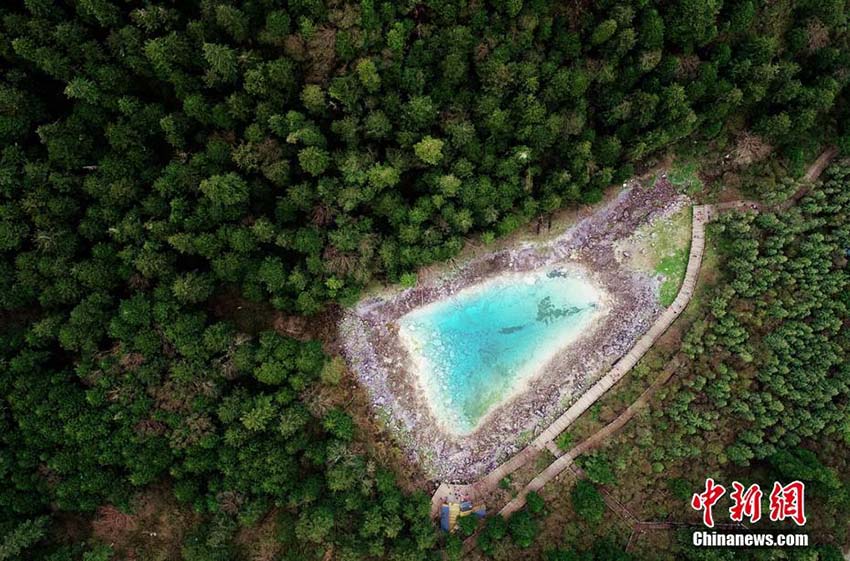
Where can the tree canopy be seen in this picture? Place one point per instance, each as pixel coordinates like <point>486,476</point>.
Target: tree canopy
<point>157,158</point>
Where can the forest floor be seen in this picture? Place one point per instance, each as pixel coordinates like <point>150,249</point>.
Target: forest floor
<point>157,525</point>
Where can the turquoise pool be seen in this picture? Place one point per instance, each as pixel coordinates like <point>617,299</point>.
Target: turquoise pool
<point>480,346</point>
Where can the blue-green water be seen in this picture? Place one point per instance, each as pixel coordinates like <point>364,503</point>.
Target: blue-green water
<point>474,349</point>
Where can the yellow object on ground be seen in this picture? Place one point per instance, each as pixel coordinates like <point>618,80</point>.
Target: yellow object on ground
<point>472,510</point>
<point>450,512</point>
<point>454,512</point>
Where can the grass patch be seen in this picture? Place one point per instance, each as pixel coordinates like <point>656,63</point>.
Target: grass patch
<point>564,441</point>
<point>662,248</point>
<point>673,268</point>
<point>685,177</point>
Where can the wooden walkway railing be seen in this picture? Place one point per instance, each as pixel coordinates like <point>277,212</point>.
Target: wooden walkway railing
<point>702,215</point>
<point>484,486</point>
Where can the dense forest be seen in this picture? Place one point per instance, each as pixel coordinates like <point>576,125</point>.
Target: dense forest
<point>158,157</point>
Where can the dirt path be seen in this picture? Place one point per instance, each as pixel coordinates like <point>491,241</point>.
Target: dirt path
<point>603,434</point>
<point>811,175</point>
<point>820,164</point>
<point>702,215</point>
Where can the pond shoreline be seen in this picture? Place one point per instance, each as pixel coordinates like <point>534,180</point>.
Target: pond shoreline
<point>369,336</point>
<point>424,367</point>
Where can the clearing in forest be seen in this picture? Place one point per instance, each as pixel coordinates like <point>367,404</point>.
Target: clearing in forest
<point>404,368</point>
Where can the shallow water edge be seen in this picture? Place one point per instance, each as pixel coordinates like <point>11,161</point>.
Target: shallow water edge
<point>476,349</point>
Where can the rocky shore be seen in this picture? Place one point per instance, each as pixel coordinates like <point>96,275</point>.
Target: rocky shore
<point>369,334</point>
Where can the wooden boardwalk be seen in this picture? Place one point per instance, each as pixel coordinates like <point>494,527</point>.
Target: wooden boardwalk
<point>545,440</point>
<point>702,214</point>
